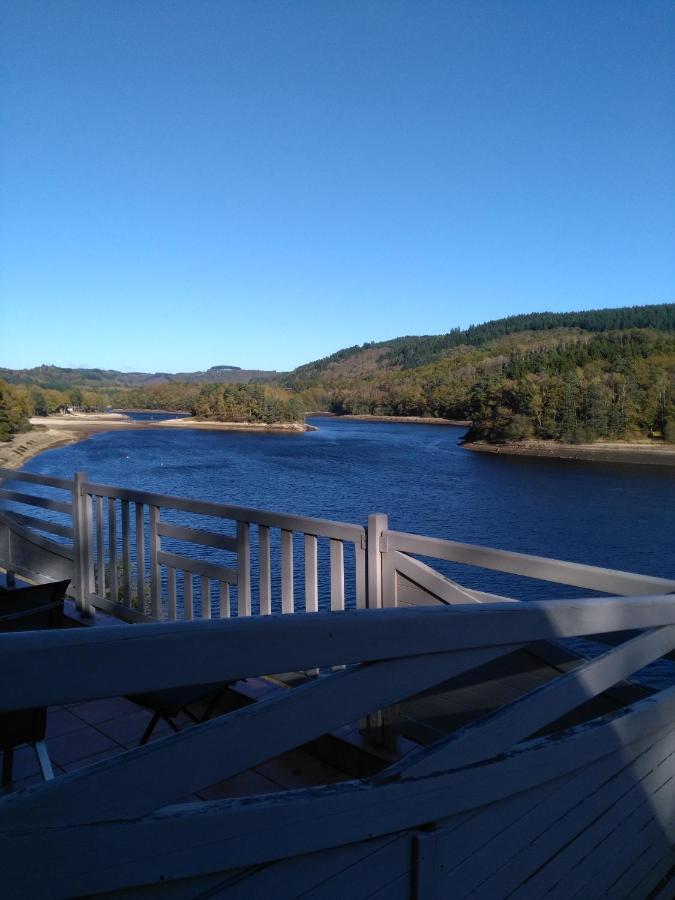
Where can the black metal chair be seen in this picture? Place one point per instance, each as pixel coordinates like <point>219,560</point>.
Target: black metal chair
<point>167,704</point>
<point>28,609</point>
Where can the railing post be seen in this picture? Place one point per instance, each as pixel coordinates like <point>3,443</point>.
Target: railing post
<point>81,545</point>
<point>377,523</point>
<point>243,569</point>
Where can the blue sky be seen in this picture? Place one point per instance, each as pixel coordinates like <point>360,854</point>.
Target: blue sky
<point>188,183</point>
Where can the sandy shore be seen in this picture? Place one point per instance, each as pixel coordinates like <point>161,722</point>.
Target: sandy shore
<point>58,431</point>
<point>276,428</point>
<point>642,453</point>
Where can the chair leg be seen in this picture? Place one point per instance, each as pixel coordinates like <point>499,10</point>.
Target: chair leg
<point>7,765</point>
<point>148,731</point>
<point>43,760</point>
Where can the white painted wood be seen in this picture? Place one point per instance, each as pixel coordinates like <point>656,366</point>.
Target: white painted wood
<point>171,591</point>
<point>87,502</point>
<point>41,502</point>
<point>141,780</point>
<point>100,548</point>
<point>39,524</point>
<point>377,524</point>
<point>79,501</point>
<point>287,599</point>
<point>126,554</point>
<point>264,570</point>
<point>197,536</point>
<point>63,484</point>
<point>342,531</point>
<point>440,587</point>
<point>155,571</point>
<point>205,596</point>
<point>140,559</point>
<point>232,834</point>
<point>112,551</point>
<point>500,730</point>
<point>337,576</point>
<point>361,575</point>
<point>188,596</point>
<point>555,570</point>
<point>243,569</point>
<point>197,566</point>
<point>311,574</point>
<point>36,668</point>
<point>224,590</point>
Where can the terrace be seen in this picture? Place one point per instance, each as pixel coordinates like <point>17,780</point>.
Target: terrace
<point>358,677</point>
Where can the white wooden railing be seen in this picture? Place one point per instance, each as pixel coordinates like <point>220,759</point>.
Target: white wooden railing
<point>151,557</point>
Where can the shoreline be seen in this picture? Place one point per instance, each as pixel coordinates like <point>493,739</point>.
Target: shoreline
<point>50,432</point>
<point>635,452</point>
<point>410,420</point>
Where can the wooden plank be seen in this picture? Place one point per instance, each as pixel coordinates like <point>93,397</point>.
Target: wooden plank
<point>142,780</point>
<point>287,601</point>
<point>377,524</point>
<point>140,559</point>
<point>36,667</point>
<point>126,554</point>
<point>311,574</point>
<point>188,598</point>
<point>100,548</point>
<point>264,570</point>
<point>197,566</point>
<point>112,551</point>
<point>155,571</point>
<point>205,596</point>
<point>337,576</point>
<point>63,484</point>
<point>232,834</point>
<point>530,713</point>
<point>437,585</point>
<point>197,536</point>
<point>342,531</point>
<point>39,524</point>
<point>224,589</point>
<point>555,570</point>
<point>41,502</point>
<point>361,576</point>
<point>87,504</point>
<point>171,590</point>
<point>243,581</point>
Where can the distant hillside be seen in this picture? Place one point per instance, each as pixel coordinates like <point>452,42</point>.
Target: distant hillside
<point>59,379</point>
<point>569,376</point>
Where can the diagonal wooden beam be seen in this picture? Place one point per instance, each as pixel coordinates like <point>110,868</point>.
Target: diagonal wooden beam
<point>510,724</point>
<point>141,780</point>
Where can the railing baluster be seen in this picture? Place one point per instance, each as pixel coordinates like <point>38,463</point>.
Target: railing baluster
<point>188,599</point>
<point>361,576</point>
<point>112,549</point>
<point>244,569</point>
<point>171,588</point>
<point>205,593</point>
<point>100,549</point>
<point>126,554</point>
<point>140,559</point>
<point>264,570</point>
<point>224,600</point>
<point>337,576</point>
<point>287,605</point>
<point>89,542</point>
<point>155,571</point>
<point>311,574</point>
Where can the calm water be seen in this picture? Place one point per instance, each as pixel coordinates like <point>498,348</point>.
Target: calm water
<point>620,516</point>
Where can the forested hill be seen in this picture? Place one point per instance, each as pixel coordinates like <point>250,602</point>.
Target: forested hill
<point>570,376</point>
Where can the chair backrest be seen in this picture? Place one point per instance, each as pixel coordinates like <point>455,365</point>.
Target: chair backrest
<point>33,608</point>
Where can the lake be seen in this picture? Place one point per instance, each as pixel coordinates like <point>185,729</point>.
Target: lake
<point>619,516</point>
